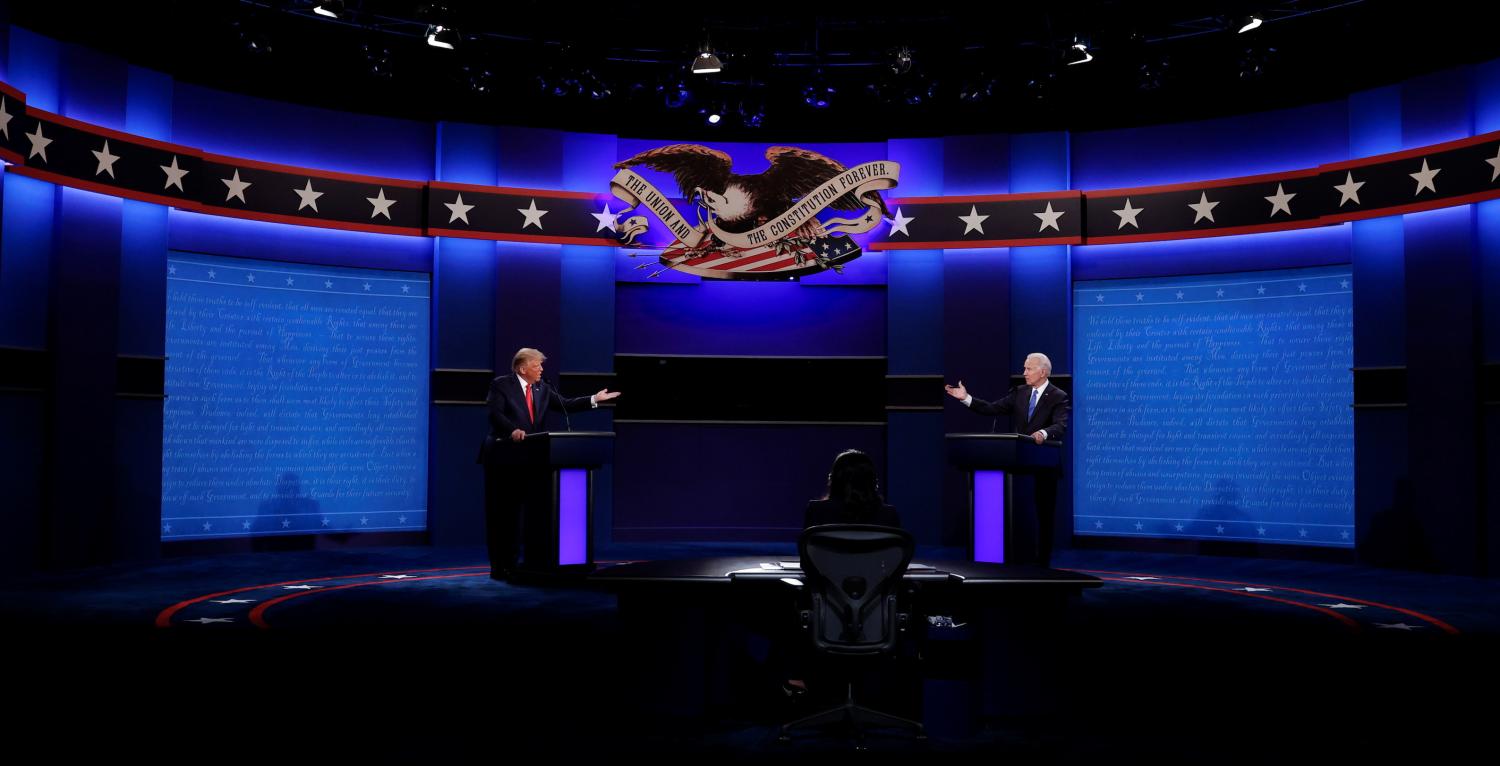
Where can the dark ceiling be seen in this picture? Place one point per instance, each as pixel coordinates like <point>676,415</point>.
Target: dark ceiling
<point>623,68</point>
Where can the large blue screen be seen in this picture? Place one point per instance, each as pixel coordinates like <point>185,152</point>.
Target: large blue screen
<point>1216,407</point>
<point>296,399</point>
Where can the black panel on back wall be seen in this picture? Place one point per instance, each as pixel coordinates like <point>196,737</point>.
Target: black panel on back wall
<point>751,389</point>
<point>24,370</point>
<point>451,386</point>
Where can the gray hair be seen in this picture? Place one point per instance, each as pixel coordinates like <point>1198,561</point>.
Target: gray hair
<point>525,355</point>
<point>1046,363</point>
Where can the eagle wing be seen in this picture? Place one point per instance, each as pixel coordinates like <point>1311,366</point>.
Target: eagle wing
<point>691,166</point>
<point>795,172</point>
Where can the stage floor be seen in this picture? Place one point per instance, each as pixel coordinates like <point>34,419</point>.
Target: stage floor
<point>415,654</point>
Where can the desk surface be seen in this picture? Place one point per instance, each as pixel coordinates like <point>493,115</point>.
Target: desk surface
<point>729,569</point>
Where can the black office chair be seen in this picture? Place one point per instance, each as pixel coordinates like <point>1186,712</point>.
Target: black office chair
<point>853,574</point>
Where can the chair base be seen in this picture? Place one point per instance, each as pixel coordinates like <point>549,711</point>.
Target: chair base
<point>858,717</point>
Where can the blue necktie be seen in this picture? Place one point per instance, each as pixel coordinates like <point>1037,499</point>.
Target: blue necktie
<point>1032,409</point>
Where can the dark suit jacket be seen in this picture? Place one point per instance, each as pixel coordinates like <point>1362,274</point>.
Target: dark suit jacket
<point>833,512</point>
<point>1052,411</point>
<point>507,410</point>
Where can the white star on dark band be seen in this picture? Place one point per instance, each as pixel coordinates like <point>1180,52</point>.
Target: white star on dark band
<point>174,175</point>
<point>460,211</point>
<point>381,204</point>
<point>1349,189</point>
<point>1049,219</point>
<point>1203,208</point>
<point>1128,215</point>
<point>38,143</point>
<point>307,197</point>
<point>1425,178</point>
<point>973,221</point>
<point>106,161</point>
<point>606,219</point>
<point>236,187</point>
<point>1281,202</point>
<point>532,214</point>
<point>898,224</point>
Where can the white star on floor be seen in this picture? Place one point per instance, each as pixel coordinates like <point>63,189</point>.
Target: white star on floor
<point>208,620</point>
<point>1344,534</point>
<point>1260,530</point>
<point>1249,589</point>
<point>1219,529</point>
<point>1425,178</point>
<point>460,211</point>
<point>307,197</point>
<point>166,527</point>
<point>249,277</point>
<point>1349,190</point>
<point>327,284</point>
<point>406,288</point>
<point>364,519</point>
<point>171,269</point>
<point>174,175</point>
<point>234,601</point>
<point>300,587</point>
<point>236,187</point>
<point>211,273</point>
<point>532,214</point>
<point>973,221</point>
<point>106,160</point>
<point>1281,202</point>
<point>1179,295</point>
<point>898,224</point>
<point>1219,293</point>
<point>1099,298</point>
<point>1203,208</point>
<point>1344,284</point>
<point>1342,605</point>
<point>401,519</point>
<point>1260,290</point>
<point>1139,526</point>
<point>1049,219</point>
<point>285,523</point>
<point>244,525</point>
<point>1098,525</point>
<point>1143,579</point>
<point>38,143</point>
<point>381,204</point>
<point>1140,296</point>
<point>290,281</point>
<point>1128,214</point>
<point>1179,527</point>
<point>207,525</point>
<point>367,287</point>
<point>4,119</point>
<point>325,522</point>
<point>1398,626</point>
<point>1302,532</point>
<point>1302,288</point>
<point>606,219</point>
<point>394,577</point>
<point>1494,163</point>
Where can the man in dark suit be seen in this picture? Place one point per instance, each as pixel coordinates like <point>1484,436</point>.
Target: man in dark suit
<point>518,405</point>
<point>1042,410</point>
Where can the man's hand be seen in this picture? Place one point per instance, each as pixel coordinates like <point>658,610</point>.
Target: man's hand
<point>605,395</point>
<point>957,392</point>
<point>1039,436</point>
<point>517,435</point>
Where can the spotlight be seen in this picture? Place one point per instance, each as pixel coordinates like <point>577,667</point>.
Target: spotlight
<point>1079,54</point>
<point>706,62</point>
<point>330,8</point>
<point>819,94</point>
<point>439,36</point>
<point>1250,22</point>
<point>713,119</point>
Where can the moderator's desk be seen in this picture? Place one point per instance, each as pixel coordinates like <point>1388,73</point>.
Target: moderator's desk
<point>687,619</point>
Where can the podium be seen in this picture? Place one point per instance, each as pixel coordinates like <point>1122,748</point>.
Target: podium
<point>992,461</point>
<point>557,535</point>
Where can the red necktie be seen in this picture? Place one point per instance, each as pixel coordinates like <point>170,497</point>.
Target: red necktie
<point>530,411</point>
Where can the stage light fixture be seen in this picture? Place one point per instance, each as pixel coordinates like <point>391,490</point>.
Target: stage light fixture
<point>706,62</point>
<point>330,8</point>
<point>901,61</point>
<point>1079,54</point>
<point>1250,22</point>
<point>439,36</point>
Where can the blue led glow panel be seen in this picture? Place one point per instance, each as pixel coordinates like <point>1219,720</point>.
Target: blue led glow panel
<point>296,399</point>
<point>1216,407</point>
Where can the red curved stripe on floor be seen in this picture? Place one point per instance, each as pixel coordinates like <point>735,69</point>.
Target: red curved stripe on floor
<point>257,615</point>
<point>164,619</point>
<point>1348,621</point>
<point>1435,621</point>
